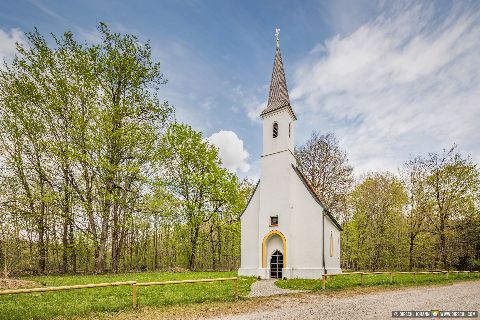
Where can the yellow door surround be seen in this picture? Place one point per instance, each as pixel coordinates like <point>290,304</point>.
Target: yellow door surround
<point>264,247</point>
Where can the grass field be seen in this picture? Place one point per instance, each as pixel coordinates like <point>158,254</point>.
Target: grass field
<point>48,305</point>
<point>85,303</point>
<point>337,283</point>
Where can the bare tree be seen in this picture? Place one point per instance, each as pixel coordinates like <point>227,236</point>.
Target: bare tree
<point>326,165</point>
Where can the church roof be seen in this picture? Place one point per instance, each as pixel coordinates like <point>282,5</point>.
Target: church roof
<point>278,95</point>
<point>316,197</point>
<point>251,196</point>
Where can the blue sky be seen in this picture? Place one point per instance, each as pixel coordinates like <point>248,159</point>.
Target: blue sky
<point>390,79</point>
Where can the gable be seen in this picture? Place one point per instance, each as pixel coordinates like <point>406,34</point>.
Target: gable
<point>315,196</point>
<point>250,199</point>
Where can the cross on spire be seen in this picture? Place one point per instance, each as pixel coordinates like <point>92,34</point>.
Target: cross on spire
<point>277,32</point>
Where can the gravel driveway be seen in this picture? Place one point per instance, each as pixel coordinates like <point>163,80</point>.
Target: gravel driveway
<point>377,305</point>
<point>266,288</point>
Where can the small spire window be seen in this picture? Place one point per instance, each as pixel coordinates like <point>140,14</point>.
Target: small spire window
<point>289,128</point>
<point>275,129</point>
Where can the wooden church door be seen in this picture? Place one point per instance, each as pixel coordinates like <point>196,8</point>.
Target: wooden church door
<point>276,265</point>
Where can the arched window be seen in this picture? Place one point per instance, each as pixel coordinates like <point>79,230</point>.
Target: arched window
<point>331,244</point>
<point>275,129</point>
<point>338,252</point>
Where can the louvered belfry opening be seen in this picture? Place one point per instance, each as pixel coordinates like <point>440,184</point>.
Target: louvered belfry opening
<point>276,265</point>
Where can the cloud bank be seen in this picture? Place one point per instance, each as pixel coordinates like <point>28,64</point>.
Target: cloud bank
<point>231,151</point>
<point>405,83</point>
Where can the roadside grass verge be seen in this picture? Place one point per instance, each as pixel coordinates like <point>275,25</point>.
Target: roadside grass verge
<point>67,304</point>
<point>342,282</point>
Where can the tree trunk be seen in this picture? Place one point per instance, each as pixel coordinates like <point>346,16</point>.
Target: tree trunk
<point>194,243</point>
<point>155,243</point>
<point>101,248</point>
<point>412,243</point>
<point>115,240</point>
<point>65,244</point>
<point>72,247</point>
<point>443,243</point>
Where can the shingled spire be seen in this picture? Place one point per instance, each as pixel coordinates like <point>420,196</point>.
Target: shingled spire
<point>278,96</point>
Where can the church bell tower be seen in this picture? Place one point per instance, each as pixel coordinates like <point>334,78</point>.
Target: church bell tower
<point>276,196</point>
<point>278,117</point>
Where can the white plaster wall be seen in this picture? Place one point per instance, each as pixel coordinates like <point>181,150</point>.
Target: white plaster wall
<point>249,237</point>
<point>332,264</point>
<point>307,230</point>
<point>275,197</point>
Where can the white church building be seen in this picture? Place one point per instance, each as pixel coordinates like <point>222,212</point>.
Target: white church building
<point>286,232</point>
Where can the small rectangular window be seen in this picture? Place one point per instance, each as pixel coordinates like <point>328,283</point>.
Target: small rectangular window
<point>274,221</point>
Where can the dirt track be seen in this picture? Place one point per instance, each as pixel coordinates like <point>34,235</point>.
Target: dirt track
<point>377,305</point>
<point>359,303</point>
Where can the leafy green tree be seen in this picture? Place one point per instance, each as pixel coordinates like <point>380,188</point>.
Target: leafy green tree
<point>420,206</point>
<point>378,203</point>
<point>192,172</point>
<point>453,185</point>
<point>81,122</point>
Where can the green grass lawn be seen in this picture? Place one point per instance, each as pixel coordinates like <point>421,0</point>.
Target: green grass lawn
<point>337,283</point>
<point>47,305</point>
<point>84,302</point>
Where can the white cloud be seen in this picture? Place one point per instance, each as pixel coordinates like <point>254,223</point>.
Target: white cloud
<point>231,151</point>
<point>91,35</point>
<point>7,43</point>
<point>255,109</point>
<point>405,83</point>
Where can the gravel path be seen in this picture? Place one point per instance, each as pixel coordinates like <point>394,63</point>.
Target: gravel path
<point>265,288</point>
<point>377,305</point>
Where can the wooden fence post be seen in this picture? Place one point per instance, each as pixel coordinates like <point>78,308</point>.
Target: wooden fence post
<point>414,277</point>
<point>323,281</point>
<point>391,278</point>
<point>446,275</point>
<point>361,278</point>
<point>235,288</point>
<point>134,294</point>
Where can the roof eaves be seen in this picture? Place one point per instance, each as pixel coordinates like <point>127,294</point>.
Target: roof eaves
<point>268,110</point>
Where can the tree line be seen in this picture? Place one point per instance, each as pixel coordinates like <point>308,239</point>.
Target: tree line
<point>427,216</point>
<point>96,175</point>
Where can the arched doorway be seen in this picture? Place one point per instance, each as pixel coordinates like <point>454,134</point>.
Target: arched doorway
<point>276,265</point>
<point>269,235</point>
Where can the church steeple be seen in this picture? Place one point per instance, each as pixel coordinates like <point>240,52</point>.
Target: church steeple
<point>278,96</point>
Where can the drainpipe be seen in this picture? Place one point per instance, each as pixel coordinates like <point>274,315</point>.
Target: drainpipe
<point>323,242</point>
